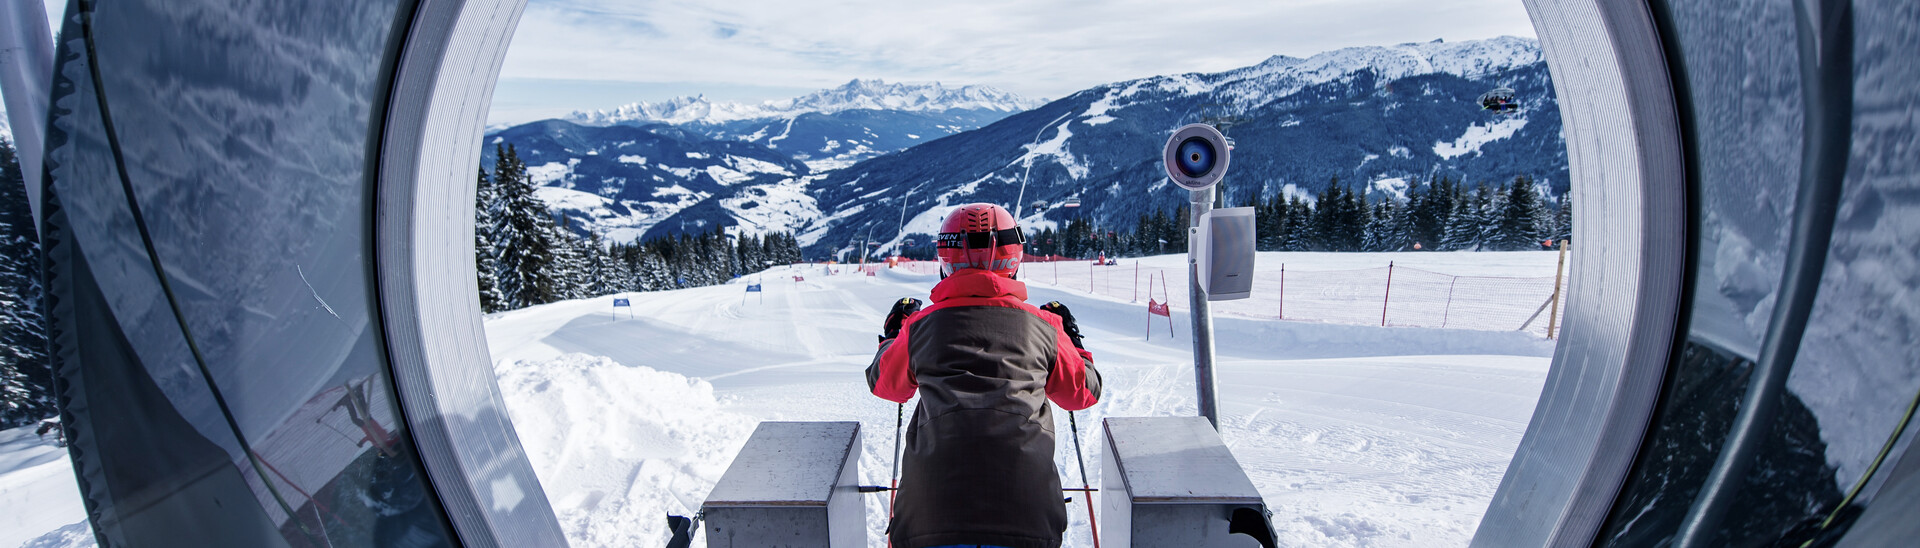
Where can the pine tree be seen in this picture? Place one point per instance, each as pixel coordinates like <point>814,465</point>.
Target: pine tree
<point>1299,225</point>
<point>485,253</point>
<point>1431,217</point>
<point>604,276</point>
<point>572,264</point>
<point>1563,219</point>
<point>1518,226</point>
<point>524,233</point>
<point>1463,224</point>
<point>1488,201</point>
<point>1354,209</point>
<point>1380,233</point>
<point>26,375</point>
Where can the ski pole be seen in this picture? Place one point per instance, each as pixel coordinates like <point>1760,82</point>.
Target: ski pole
<point>899,416</point>
<point>1085,488</point>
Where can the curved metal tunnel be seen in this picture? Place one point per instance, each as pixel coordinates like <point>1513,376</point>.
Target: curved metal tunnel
<point>257,218</point>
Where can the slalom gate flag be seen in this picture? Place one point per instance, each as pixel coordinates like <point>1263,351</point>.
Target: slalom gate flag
<point>799,278</point>
<point>1158,308</point>
<point>753,288</point>
<point>622,302</point>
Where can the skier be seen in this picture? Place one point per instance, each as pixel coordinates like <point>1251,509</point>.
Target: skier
<point>978,466</point>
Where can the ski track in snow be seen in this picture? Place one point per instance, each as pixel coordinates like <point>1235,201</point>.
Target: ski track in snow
<point>626,419</point>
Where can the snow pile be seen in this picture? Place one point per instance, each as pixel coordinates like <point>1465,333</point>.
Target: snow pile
<point>75,535</point>
<point>615,446</point>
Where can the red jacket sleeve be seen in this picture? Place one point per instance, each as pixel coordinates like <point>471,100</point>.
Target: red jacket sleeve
<point>1074,384</point>
<point>891,374</point>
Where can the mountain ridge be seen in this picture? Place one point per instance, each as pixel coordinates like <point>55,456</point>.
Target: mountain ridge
<point>857,94</point>
<point>1383,119</point>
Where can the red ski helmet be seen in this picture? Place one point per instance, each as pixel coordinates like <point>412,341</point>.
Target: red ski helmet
<point>982,236</point>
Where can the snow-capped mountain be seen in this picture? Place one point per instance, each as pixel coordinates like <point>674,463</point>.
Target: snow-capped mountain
<point>854,95</point>
<point>622,181</point>
<point>1280,75</point>
<point>1378,118</point>
<point>830,128</point>
<point>1382,119</point>
<point>831,141</point>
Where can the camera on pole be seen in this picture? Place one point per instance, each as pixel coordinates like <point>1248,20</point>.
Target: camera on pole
<point>1219,244</point>
<point>1196,158</point>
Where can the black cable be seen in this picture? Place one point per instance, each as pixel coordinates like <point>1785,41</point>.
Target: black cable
<point>1893,438</point>
<point>160,273</point>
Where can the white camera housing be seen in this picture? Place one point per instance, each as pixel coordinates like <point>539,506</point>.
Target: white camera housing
<point>1196,156</point>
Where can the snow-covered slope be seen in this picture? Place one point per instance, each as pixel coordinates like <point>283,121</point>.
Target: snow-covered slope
<point>1356,436</point>
<point>854,95</point>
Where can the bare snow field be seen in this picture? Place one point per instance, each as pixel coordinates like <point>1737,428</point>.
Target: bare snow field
<point>1356,435</point>
<point>38,493</point>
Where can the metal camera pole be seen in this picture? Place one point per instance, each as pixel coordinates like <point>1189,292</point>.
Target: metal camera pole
<point>1202,202</point>
<point>1196,159</point>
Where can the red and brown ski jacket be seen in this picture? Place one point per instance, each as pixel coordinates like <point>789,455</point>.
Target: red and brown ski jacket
<point>978,463</point>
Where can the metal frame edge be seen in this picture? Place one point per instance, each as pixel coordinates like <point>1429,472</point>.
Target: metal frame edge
<point>1610,73</point>
<point>429,150</point>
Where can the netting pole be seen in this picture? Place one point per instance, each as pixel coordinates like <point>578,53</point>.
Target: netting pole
<point>1553,315</point>
<point>1089,278</point>
<point>1389,294</point>
<point>1449,309</point>
<point>1283,291</point>
<point>1136,281</point>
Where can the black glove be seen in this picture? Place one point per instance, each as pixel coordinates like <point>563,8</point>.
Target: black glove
<point>1066,321</point>
<point>902,308</point>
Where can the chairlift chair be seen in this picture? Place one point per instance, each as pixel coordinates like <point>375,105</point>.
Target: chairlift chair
<point>1499,101</point>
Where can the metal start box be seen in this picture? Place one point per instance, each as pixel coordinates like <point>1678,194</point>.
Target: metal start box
<point>1169,482</point>
<point>794,485</point>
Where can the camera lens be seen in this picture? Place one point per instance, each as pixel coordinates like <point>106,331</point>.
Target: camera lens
<point>1196,157</point>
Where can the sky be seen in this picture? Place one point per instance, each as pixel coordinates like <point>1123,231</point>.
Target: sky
<point>584,54</point>
<point>54,9</point>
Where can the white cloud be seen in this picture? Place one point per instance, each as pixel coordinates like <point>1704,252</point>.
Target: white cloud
<point>1039,49</point>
